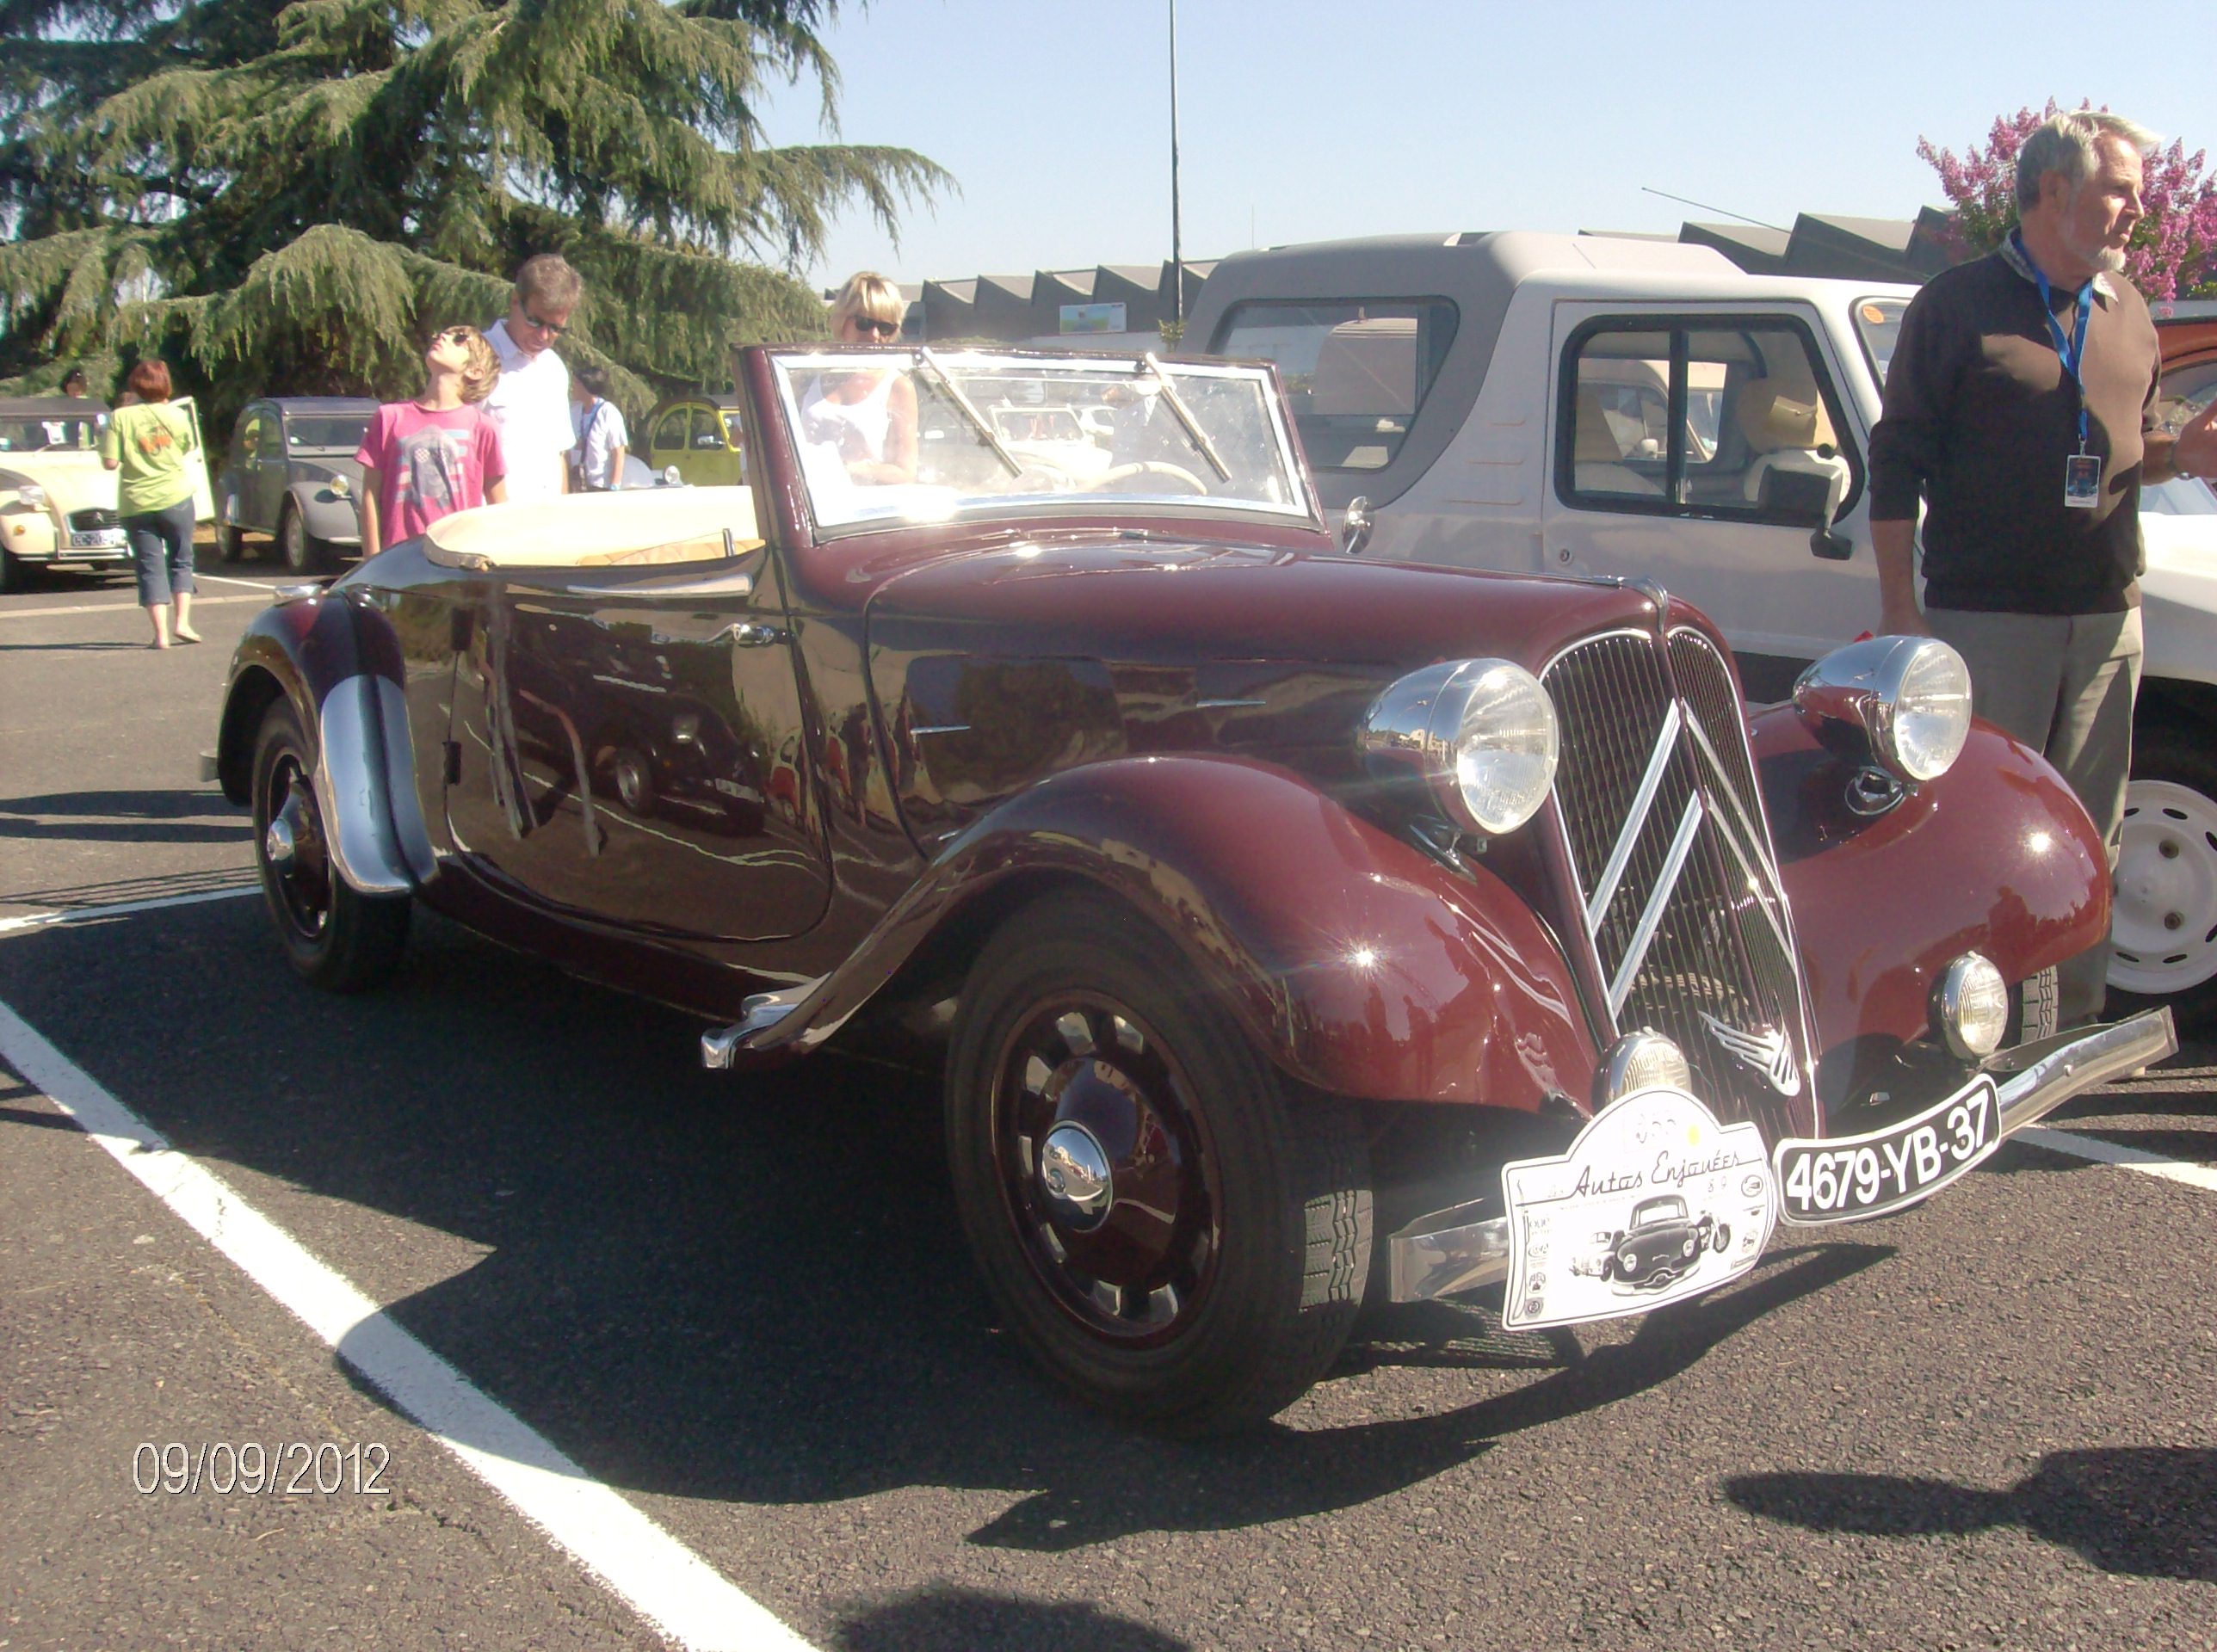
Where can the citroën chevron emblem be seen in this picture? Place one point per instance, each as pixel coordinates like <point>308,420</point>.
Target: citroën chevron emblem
<point>1771,1053</point>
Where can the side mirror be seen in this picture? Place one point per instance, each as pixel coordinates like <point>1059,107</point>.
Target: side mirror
<point>1354,526</point>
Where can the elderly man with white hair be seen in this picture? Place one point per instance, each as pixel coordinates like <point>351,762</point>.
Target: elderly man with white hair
<point>2020,413</point>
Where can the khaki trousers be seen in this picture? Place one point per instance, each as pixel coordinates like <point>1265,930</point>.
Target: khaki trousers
<point>2064,685</point>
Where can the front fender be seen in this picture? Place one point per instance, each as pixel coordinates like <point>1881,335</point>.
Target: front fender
<point>325,514</point>
<point>339,665</point>
<point>1995,856</point>
<point>1357,963</point>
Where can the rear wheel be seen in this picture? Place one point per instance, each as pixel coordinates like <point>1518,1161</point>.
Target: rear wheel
<point>634,778</point>
<point>1174,1234</point>
<point>229,542</point>
<point>2163,931</point>
<point>335,937</point>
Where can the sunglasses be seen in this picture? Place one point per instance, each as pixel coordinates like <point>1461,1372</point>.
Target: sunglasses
<point>875,327</point>
<point>555,328</point>
<point>455,335</point>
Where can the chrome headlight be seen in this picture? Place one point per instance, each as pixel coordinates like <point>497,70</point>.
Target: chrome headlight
<point>1970,1008</point>
<point>1909,696</point>
<point>1481,734</point>
<point>338,487</point>
<point>1644,1060</point>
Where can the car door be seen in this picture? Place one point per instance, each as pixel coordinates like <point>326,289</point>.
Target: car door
<point>616,733</point>
<point>235,489</point>
<point>268,472</point>
<point>668,440</point>
<point>1711,450</point>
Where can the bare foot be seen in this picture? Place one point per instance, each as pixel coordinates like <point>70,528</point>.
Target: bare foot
<point>187,634</point>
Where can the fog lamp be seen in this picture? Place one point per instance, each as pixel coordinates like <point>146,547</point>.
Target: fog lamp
<point>1644,1060</point>
<point>1970,1008</point>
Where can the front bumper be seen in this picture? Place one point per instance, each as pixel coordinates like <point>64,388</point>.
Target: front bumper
<point>1461,1249</point>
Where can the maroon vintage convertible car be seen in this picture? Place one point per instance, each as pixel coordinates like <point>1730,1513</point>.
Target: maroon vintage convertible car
<point>1299,928</point>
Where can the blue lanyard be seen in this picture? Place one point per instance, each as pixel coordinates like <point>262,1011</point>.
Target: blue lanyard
<point>2071,353</point>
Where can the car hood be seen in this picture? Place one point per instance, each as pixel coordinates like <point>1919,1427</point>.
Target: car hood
<point>322,470</point>
<point>73,480</point>
<point>1187,603</point>
<point>994,669</point>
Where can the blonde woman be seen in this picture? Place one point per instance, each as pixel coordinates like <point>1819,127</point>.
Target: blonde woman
<point>152,443</point>
<point>437,454</point>
<point>869,417</point>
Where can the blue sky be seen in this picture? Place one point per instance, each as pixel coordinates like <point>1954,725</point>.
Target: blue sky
<point>1302,120</point>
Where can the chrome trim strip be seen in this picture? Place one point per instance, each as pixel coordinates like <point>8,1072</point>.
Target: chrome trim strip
<point>347,780</point>
<point>721,1045</point>
<point>1440,1261</point>
<point>1635,819</point>
<point>1666,884</point>
<point>2041,1077</point>
<point>1767,895</point>
<point>939,728</point>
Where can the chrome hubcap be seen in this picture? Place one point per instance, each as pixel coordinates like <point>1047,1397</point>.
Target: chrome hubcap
<point>1075,1177</point>
<point>277,844</point>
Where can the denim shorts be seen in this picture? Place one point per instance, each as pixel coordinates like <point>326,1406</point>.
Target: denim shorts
<point>161,542</point>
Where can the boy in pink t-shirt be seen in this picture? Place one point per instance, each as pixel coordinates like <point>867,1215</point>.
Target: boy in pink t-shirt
<point>437,454</point>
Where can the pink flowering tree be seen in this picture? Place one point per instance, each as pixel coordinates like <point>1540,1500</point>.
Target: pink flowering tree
<point>2173,253</point>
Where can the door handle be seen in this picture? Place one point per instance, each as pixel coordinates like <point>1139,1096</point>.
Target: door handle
<point>749,633</point>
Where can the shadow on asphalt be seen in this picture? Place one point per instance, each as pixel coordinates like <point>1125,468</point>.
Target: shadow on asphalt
<point>2137,1512</point>
<point>167,816</point>
<point>959,1620</point>
<point>742,1288</point>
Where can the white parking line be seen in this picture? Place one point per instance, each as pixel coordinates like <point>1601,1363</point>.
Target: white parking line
<point>666,1582</point>
<point>120,909</point>
<point>249,585</point>
<point>2203,1176</point>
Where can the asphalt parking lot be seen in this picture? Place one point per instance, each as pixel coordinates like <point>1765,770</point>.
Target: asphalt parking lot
<point>717,1371</point>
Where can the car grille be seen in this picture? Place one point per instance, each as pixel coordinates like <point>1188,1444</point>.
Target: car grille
<point>87,521</point>
<point>1677,881</point>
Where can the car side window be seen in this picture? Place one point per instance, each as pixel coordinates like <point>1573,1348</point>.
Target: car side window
<point>1707,416</point>
<point>669,431</point>
<point>1355,373</point>
<point>242,444</point>
<point>707,430</point>
<point>269,437</point>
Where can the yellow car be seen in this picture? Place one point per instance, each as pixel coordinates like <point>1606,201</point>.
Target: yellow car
<point>700,435</point>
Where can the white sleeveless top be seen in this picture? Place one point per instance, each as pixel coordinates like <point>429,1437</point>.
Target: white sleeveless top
<point>857,429</point>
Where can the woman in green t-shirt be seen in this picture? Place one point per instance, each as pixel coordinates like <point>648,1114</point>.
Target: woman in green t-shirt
<point>152,443</point>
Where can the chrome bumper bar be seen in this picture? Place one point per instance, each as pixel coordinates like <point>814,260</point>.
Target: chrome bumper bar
<point>1454,1250</point>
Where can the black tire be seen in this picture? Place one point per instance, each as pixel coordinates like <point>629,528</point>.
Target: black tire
<point>301,551</point>
<point>632,775</point>
<point>2163,928</point>
<point>229,542</point>
<point>1721,1240</point>
<point>2035,1005</point>
<point>335,937</point>
<point>16,575</point>
<point>1223,1286</point>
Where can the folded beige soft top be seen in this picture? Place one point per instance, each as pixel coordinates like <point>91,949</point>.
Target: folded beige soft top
<point>594,530</point>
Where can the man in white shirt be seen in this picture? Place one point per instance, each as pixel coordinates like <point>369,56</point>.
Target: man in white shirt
<point>602,437</point>
<point>531,403</point>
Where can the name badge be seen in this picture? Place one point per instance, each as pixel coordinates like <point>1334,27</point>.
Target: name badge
<point>2082,481</point>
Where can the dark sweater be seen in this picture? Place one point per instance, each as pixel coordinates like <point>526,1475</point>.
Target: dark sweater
<point>1980,419</point>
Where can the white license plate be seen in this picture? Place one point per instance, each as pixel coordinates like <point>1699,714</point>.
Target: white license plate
<point>104,539</point>
<point>1849,1178</point>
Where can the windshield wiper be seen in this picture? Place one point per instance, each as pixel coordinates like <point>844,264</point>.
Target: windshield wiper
<point>969,408</point>
<point>1193,430</point>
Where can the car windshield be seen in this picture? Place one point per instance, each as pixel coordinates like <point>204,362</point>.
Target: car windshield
<point>1879,323</point>
<point>2182,495</point>
<point>996,433</point>
<point>1655,1210</point>
<point>36,435</point>
<point>325,432</point>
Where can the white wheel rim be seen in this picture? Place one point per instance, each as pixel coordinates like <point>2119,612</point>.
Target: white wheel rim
<point>2163,929</point>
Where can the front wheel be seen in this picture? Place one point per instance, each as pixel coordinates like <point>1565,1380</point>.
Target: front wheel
<point>229,542</point>
<point>303,552</point>
<point>1176,1235</point>
<point>2163,929</point>
<point>335,937</point>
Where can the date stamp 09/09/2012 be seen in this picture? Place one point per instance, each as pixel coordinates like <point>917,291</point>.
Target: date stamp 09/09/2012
<point>252,1468</point>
